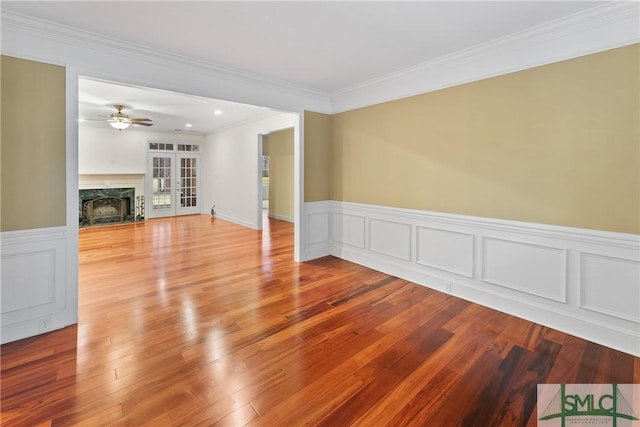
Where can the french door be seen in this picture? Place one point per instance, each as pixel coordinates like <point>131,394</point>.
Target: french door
<point>173,180</point>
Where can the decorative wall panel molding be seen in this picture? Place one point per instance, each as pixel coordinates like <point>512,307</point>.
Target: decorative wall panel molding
<point>532,269</point>
<point>390,238</point>
<point>318,228</point>
<point>35,286</point>
<point>317,231</point>
<point>348,229</point>
<point>446,250</point>
<point>33,282</point>
<point>582,282</point>
<point>601,293</point>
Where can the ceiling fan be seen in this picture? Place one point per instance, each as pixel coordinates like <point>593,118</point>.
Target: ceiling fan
<point>121,120</point>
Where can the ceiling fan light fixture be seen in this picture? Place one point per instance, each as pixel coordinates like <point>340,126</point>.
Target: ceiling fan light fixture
<point>120,123</point>
<point>119,120</point>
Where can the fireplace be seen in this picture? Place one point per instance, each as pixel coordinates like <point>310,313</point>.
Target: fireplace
<point>106,206</point>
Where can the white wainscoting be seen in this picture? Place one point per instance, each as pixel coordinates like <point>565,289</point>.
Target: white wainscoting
<point>316,233</point>
<point>33,282</point>
<point>348,229</point>
<point>390,238</point>
<point>446,250</point>
<point>618,298</point>
<point>582,282</point>
<point>529,268</point>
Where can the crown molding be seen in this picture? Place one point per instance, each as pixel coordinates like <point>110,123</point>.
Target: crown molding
<point>59,33</point>
<point>612,25</point>
<point>609,26</point>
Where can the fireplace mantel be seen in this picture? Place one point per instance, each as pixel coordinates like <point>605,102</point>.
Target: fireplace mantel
<point>96,181</point>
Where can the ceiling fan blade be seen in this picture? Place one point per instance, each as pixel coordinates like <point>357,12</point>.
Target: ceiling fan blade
<point>133,122</point>
<point>140,120</point>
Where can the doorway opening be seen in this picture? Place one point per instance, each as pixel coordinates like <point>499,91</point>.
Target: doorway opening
<point>277,174</point>
<point>173,179</point>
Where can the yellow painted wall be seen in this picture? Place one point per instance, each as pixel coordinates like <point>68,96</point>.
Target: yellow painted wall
<point>33,183</point>
<point>317,156</point>
<point>557,144</point>
<point>281,177</point>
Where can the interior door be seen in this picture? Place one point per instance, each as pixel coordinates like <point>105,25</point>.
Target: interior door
<point>188,183</point>
<point>161,171</point>
<point>173,183</point>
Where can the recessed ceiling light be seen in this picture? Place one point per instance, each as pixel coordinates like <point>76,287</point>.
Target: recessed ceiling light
<point>188,125</point>
<point>217,112</point>
<point>81,119</point>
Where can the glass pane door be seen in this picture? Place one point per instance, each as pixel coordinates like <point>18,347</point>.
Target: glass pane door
<point>173,184</point>
<point>189,180</point>
<point>162,171</point>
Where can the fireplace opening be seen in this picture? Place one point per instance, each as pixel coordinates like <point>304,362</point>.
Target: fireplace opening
<point>106,206</point>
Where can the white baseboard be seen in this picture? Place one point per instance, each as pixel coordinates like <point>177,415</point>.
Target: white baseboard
<point>582,282</point>
<point>235,220</point>
<point>281,217</point>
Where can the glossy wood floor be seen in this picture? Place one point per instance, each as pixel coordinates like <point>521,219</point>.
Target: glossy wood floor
<point>197,321</point>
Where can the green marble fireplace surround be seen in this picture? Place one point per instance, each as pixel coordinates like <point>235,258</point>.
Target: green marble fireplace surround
<point>106,206</point>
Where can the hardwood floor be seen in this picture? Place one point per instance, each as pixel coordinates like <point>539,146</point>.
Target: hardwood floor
<point>197,321</point>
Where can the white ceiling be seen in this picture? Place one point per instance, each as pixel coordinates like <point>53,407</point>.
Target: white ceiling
<point>169,112</point>
<point>324,46</point>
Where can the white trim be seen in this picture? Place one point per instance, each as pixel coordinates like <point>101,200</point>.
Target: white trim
<point>110,59</point>
<point>236,221</point>
<point>584,235</point>
<point>299,218</point>
<point>35,284</point>
<point>583,289</point>
<point>612,25</point>
<point>34,234</point>
<point>260,192</point>
<point>72,182</point>
<point>81,38</point>
<point>281,217</point>
<point>317,230</point>
<point>472,249</point>
<point>562,262</point>
<point>107,180</point>
<point>550,253</point>
<point>609,26</point>
<point>356,225</point>
<point>402,230</point>
<point>175,142</point>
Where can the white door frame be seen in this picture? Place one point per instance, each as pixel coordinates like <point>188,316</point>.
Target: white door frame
<point>260,195</point>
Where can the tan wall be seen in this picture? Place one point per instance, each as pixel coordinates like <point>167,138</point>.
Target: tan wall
<point>281,177</point>
<point>317,156</point>
<point>557,144</point>
<point>33,145</point>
